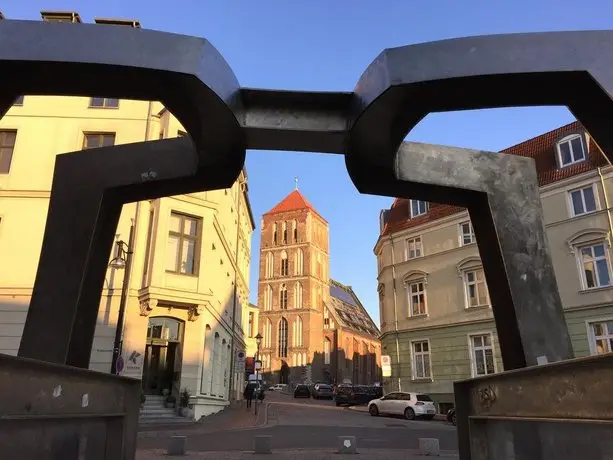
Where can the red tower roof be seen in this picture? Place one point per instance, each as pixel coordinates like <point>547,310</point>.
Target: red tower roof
<point>295,201</point>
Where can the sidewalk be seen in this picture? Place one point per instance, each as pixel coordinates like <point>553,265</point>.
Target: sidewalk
<point>370,454</point>
<point>439,417</point>
<point>233,417</point>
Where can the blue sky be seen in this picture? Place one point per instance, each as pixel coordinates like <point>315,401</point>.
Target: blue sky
<point>325,45</point>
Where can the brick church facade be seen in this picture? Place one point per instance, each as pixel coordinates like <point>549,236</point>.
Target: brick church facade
<point>314,329</point>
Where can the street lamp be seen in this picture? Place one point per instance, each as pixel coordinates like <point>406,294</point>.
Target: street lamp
<point>122,261</point>
<point>258,342</point>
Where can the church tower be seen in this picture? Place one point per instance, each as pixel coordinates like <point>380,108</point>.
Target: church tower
<point>293,286</point>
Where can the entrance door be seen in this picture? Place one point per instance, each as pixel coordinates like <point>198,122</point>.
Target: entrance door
<point>162,365</point>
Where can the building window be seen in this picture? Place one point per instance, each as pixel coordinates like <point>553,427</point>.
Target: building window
<point>297,332</point>
<point>319,271</point>
<point>583,201</point>
<point>467,234</point>
<point>284,264</point>
<point>251,324</point>
<point>274,233</point>
<point>282,351</point>
<point>482,355</point>
<point>571,150</point>
<point>417,298</point>
<point>326,319</point>
<point>284,230</point>
<point>267,333</point>
<point>283,297</point>
<point>95,140</point>
<point>418,208</point>
<point>601,337</point>
<point>18,101</point>
<point>326,350</point>
<point>268,298</point>
<point>298,296</point>
<point>270,265</point>
<point>414,247</point>
<point>299,265</point>
<point>7,147</point>
<point>476,288</point>
<point>103,103</point>
<point>595,262</point>
<point>183,244</point>
<point>295,230</point>
<point>421,359</point>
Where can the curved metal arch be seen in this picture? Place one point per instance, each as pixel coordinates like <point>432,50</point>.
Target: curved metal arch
<point>187,74</point>
<point>403,85</point>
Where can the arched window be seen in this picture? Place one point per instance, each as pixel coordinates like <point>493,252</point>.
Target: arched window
<point>298,296</point>
<point>267,298</point>
<point>270,265</point>
<point>284,230</point>
<point>213,366</point>
<point>282,351</point>
<point>326,350</point>
<point>274,233</point>
<point>297,332</point>
<point>267,333</point>
<point>299,262</point>
<point>295,230</point>
<point>283,297</point>
<point>319,270</point>
<point>205,376</point>
<point>284,264</point>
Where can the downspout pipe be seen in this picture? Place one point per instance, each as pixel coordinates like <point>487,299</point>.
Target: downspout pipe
<point>606,202</point>
<point>395,312</point>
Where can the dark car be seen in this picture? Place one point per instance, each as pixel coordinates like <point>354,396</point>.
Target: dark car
<point>451,416</point>
<point>302,391</point>
<point>352,395</point>
<point>323,390</point>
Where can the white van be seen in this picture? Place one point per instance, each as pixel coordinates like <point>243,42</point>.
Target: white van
<point>278,387</point>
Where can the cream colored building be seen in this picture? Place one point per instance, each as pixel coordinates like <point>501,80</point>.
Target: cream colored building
<point>189,279</point>
<point>436,319</point>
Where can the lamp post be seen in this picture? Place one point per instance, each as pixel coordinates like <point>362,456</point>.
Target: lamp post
<point>258,342</point>
<point>122,261</point>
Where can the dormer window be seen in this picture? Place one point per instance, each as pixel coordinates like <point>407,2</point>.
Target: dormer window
<point>571,149</point>
<point>418,208</point>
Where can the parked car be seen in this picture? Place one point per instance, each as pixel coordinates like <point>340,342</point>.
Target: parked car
<point>278,387</point>
<point>323,390</point>
<point>451,417</point>
<point>351,395</point>
<point>302,391</point>
<point>411,405</point>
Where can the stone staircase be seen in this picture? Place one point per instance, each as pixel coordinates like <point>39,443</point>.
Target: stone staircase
<point>153,411</point>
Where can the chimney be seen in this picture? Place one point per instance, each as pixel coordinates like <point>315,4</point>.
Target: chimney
<point>60,16</point>
<point>119,22</point>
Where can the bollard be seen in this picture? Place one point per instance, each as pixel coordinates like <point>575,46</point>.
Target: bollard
<point>347,445</point>
<point>429,446</point>
<point>177,445</point>
<point>262,445</point>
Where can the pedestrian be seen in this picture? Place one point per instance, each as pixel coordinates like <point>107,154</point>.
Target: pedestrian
<point>248,394</point>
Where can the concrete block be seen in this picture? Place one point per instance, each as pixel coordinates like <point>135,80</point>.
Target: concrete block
<point>262,445</point>
<point>177,445</point>
<point>347,445</point>
<point>429,446</point>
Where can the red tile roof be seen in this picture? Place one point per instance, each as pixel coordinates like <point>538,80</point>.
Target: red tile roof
<point>295,201</point>
<point>541,148</point>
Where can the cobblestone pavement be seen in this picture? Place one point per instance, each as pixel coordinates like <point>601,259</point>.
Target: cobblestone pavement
<point>234,417</point>
<point>297,424</point>
<point>309,454</point>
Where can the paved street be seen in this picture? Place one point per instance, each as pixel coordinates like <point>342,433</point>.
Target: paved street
<point>310,424</point>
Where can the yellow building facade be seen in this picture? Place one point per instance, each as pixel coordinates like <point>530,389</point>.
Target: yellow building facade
<point>187,303</point>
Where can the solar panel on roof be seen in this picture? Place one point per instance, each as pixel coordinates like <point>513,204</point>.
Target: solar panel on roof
<point>342,295</point>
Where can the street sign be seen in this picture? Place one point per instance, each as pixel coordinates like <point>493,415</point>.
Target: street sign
<point>386,365</point>
<point>119,365</point>
<point>239,362</point>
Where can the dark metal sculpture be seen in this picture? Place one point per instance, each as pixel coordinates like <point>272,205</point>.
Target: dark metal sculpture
<point>368,125</point>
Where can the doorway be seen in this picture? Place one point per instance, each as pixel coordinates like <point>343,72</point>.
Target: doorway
<point>284,377</point>
<point>163,356</point>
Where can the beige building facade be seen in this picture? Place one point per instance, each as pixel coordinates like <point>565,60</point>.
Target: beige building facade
<point>436,318</point>
<point>187,304</point>
<point>314,328</point>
